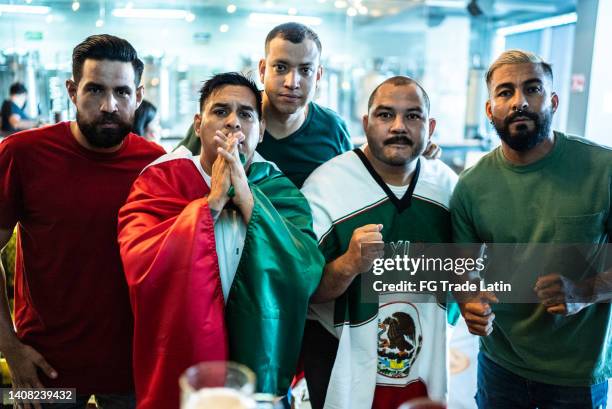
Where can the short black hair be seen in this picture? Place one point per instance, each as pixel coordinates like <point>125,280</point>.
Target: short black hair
<point>17,88</point>
<point>105,47</point>
<point>143,117</point>
<point>219,81</point>
<point>294,32</point>
<point>398,81</point>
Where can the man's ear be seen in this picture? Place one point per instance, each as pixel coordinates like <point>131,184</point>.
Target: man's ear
<point>554,99</point>
<point>139,95</point>
<point>319,73</point>
<point>364,122</point>
<point>488,110</point>
<point>262,69</point>
<point>72,88</point>
<point>197,121</point>
<point>262,129</point>
<point>432,127</point>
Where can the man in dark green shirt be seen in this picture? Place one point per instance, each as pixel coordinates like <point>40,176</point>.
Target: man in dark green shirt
<point>539,186</point>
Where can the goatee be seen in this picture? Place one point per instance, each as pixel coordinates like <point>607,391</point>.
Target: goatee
<point>99,136</point>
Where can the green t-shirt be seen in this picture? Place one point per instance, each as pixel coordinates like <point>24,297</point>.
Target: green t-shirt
<point>563,198</point>
<point>322,136</point>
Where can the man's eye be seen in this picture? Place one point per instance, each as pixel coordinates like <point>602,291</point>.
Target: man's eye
<point>504,94</point>
<point>414,117</point>
<point>246,115</point>
<point>280,68</point>
<point>219,112</point>
<point>307,70</point>
<point>534,90</point>
<point>384,115</point>
<point>123,93</point>
<point>94,90</point>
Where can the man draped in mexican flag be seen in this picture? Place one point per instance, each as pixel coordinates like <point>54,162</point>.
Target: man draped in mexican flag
<point>379,352</point>
<point>219,253</point>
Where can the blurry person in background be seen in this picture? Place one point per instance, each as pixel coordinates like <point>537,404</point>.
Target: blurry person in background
<point>146,122</point>
<point>63,185</point>
<point>14,117</point>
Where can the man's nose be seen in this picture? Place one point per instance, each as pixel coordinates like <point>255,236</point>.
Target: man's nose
<point>519,102</point>
<point>398,125</point>
<point>109,103</point>
<point>292,79</point>
<point>232,123</point>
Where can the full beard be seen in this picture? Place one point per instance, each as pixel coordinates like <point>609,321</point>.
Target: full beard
<point>524,139</point>
<point>100,137</point>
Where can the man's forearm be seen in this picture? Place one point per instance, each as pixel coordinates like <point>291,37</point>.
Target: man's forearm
<point>334,282</point>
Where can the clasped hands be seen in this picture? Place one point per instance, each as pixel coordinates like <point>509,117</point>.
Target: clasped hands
<point>228,171</point>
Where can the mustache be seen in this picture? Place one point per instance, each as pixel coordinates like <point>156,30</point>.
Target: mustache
<point>399,139</point>
<point>109,118</point>
<point>525,114</point>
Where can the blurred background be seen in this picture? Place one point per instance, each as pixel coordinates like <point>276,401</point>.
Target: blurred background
<point>445,44</point>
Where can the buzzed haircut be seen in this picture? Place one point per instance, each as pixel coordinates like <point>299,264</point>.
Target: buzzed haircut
<point>400,80</point>
<point>293,32</point>
<point>105,47</point>
<point>517,56</point>
<point>219,81</point>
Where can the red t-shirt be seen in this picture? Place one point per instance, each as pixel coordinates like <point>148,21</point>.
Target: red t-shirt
<point>71,297</point>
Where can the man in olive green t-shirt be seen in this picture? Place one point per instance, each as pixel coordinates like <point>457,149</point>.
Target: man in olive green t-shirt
<point>539,186</point>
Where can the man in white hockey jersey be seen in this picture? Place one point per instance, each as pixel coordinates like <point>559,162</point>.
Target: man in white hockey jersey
<point>380,192</point>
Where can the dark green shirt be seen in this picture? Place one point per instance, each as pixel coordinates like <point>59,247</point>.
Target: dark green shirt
<point>564,197</point>
<point>322,136</point>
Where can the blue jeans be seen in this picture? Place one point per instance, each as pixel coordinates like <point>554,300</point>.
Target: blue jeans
<point>104,401</point>
<point>499,388</point>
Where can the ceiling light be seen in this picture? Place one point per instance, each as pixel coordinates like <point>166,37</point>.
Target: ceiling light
<point>555,21</point>
<point>75,5</point>
<point>363,10</point>
<point>351,12</point>
<point>129,5</point>
<point>28,1</point>
<point>190,17</point>
<point>49,18</point>
<point>224,28</point>
<point>270,18</point>
<point>17,8</point>
<point>99,23</point>
<point>340,4</point>
<point>376,13</point>
<point>176,14</point>
<point>292,11</point>
<point>231,8</point>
